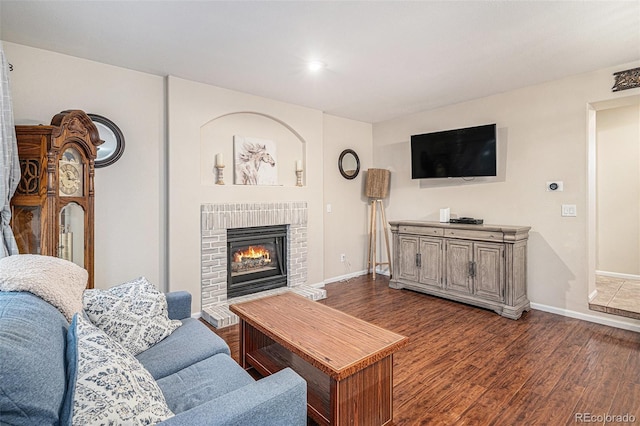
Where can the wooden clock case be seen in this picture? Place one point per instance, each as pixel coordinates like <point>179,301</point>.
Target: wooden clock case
<point>47,218</point>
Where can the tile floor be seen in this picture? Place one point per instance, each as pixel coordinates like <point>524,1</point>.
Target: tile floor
<point>617,296</point>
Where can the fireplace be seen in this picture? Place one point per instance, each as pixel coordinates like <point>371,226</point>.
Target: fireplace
<point>257,259</point>
<point>217,219</point>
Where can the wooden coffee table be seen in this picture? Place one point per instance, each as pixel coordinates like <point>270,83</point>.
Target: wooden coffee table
<point>347,362</point>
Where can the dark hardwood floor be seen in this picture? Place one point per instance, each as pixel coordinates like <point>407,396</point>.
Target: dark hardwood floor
<point>465,365</point>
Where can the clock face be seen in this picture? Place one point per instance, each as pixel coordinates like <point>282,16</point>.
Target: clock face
<point>69,179</point>
<point>70,174</point>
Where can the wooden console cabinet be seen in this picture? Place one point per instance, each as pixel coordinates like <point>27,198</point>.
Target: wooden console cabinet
<point>482,265</point>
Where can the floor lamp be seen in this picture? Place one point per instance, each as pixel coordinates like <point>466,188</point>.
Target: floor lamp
<point>377,189</point>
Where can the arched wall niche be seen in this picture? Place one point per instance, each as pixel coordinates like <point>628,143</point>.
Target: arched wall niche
<point>217,137</point>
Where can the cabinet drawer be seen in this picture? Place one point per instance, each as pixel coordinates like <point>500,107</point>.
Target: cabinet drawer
<point>422,230</point>
<point>470,234</point>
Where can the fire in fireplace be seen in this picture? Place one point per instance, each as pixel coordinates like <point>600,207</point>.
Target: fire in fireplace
<point>257,259</point>
<point>252,259</point>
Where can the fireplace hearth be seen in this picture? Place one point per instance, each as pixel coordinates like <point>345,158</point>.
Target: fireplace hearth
<point>257,259</point>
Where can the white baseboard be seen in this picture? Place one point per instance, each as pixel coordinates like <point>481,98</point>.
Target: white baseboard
<point>618,275</point>
<point>593,295</point>
<point>316,285</point>
<point>588,317</point>
<point>383,271</point>
<point>345,277</point>
<point>379,271</point>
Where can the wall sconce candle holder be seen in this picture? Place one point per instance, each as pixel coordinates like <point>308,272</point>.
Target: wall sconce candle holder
<point>220,173</point>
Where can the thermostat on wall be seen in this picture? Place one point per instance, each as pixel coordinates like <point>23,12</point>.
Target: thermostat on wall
<point>555,186</point>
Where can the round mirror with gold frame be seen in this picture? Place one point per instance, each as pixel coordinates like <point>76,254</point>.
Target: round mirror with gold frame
<point>349,164</point>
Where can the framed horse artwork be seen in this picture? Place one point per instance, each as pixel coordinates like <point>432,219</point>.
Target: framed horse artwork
<point>255,161</point>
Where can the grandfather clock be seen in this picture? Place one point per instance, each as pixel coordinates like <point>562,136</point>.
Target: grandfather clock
<point>52,209</point>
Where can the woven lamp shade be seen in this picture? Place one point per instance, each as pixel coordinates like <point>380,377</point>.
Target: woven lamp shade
<point>377,185</point>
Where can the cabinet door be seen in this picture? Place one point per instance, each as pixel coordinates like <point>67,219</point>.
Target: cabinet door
<point>489,271</point>
<point>431,261</point>
<point>407,258</point>
<point>459,258</point>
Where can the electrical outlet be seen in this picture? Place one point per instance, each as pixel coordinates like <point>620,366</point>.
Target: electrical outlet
<point>343,257</point>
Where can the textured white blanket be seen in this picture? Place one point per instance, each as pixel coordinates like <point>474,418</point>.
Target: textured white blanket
<point>57,281</point>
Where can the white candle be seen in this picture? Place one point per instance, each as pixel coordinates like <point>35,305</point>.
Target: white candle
<point>298,165</point>
<point>219,160</point>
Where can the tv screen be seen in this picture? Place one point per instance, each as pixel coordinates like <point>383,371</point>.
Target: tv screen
<point>467,152</point>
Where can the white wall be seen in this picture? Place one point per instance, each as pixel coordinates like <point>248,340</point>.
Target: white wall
<point>542,136</point>
<point>190,107</point>
<point>542,132</point>
<point>346,226</point>
<point>618,190</point>
<point>133,212</point>
<point>128,201</point>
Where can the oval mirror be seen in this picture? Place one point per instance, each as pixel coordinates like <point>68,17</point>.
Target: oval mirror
<point>111,150</point>
<point>349,164</point>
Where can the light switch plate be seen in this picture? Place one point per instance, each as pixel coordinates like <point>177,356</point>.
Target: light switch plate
<point>569,210</point>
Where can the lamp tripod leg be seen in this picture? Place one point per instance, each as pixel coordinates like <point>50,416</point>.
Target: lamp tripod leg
<point>386,236</point>
<point>374,228</point>
<point>371,219</point>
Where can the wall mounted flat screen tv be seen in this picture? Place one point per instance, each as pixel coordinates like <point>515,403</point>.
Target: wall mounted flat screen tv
<point>467,152</point>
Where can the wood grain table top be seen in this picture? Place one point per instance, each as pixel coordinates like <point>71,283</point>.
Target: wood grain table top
<point>332,341</point>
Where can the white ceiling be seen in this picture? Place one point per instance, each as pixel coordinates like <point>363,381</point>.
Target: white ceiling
<point>385,59</point>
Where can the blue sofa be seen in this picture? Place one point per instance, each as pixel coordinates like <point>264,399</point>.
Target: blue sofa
<point>201,383</point>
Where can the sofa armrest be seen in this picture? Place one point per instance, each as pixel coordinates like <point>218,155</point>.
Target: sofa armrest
<point>179,304</point>
<point>279,399</point>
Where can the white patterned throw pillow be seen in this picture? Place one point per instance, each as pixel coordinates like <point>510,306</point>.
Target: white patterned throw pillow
<point>134,314</point>
<point>107,384</point>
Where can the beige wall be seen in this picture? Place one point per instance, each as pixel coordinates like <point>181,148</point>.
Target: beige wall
<point>217,137</point>
<point>192,106</point>
<point>618,190</point>
<point>346,226</point>
<point>132,206</point>
<point>128,203</point>
<point>542,136</point>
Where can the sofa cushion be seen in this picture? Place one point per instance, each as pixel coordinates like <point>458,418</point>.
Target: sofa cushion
<point>134,313</point>
<point>107,384</point>
<point>55,280</point>
<point>187,345</point>
<point>32,364</point>
<point>203,381</point>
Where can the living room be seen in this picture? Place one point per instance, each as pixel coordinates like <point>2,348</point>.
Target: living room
<point>148,204</point>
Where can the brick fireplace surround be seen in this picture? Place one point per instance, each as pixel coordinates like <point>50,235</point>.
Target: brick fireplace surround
<point>216,219</point>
